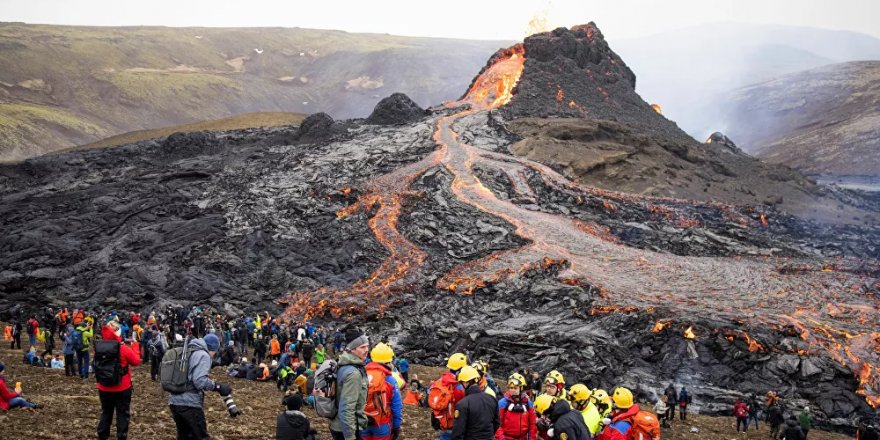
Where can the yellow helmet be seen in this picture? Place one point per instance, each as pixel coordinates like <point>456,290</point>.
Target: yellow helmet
<point>456,361</point>
<point>623,398</point>
<point>468,374</point>
<point>579,393</point>
<point>543,403</point>
<point>602,396</point>
<point>553,378</point>
<point>480,367</point>
<point>516,380</point>
<point>382,353</point>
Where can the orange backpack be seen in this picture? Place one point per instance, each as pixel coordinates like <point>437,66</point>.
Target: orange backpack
<point>440,400</point>
<point>377,407</point>
<point>645,426</point>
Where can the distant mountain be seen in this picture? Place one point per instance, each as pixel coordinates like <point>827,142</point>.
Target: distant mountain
<point>62,86</point>
<point>689,71</point>
<point>820,121</point>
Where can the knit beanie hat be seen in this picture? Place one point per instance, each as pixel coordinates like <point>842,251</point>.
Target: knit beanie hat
<point>293,402</point>
<point>213,342</point>
<point>354,338</point>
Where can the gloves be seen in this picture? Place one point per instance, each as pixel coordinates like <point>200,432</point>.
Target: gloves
<point>223,389</point>
<point>543,424</point>
<point>606,421</point>
<point>395,433</point>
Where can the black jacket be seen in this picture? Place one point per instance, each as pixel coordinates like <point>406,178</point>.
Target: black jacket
<point>568,421</point>
<point>774,415</point>
<point>793,431</point>
<point>476,416</point>
<point>293,425</point>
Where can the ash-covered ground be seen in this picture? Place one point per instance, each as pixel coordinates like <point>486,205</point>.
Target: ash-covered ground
<point>426,226</point>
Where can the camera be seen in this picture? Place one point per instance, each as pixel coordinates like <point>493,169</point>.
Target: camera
<point>231,408</point>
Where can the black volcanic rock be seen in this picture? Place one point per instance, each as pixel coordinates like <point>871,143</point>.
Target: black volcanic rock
<point>396,109</point>
<point>182,144</point>
<point>318,126</point>
<point>574,73</point>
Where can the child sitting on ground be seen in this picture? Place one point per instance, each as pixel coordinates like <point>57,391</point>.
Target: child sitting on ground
<point>293,424</point>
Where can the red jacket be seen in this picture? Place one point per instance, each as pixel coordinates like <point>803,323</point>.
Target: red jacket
<point>128,357</point>
<point>516,425</point>
<point>5,395</point>
<point>741,407</point>
<point>448,378</point>
<point>621,423</point>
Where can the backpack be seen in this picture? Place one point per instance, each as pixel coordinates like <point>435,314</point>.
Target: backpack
<point>107,363</point>
<point>174,370</point>
<point>645,426</point>
<point>77,338</point>
<point>377,407</point>
<point>325,382</point>
<point>440,400</point>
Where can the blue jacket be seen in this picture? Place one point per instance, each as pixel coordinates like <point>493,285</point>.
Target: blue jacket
<point>67,348</point>
<point>403,365</point>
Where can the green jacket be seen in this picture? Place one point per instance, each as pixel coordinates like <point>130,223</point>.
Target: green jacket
<point>88,335</point>
<point>806,420</point>
<point>352,395</point>
<point>320,355</point>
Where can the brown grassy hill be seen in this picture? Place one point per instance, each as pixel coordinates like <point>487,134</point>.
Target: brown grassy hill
<point>72,409</point>
<point>819,121</point>
<point>62,86</point>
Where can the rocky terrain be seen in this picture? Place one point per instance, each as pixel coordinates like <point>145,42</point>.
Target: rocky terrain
<point>63,86</point>
<point>423,226</point>
<point>820,121</point>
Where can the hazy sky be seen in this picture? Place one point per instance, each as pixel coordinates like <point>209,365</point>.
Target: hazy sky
<point>477,19</point>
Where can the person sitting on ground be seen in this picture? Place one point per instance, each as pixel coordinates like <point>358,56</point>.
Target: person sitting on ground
<point>293,424</point>
<point>415,394</point>
<point>31,358</point>
<point>12,399</point>
<point>58,362</point>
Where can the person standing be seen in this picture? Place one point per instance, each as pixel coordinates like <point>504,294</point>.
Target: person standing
<point>516,413</point>
<point>158,347</point>
<point>806,421</point>
<point>114,391</point>
<point>754,409</point>
<point>186,407</point>
<point>684,399</point>
<point>384,405</point>
<point>351,392</point>
<point>560,419</point>
<point>671,402</point>
<point>16,335</point>
<point>661,409</point>
<point>741,412</point>
<point>82,340</point>
<point>476,415</point>
<point>69,352</point>
<point>793,430</point>
<point>774,419</point>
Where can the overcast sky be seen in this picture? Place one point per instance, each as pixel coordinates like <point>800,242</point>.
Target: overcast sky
<point>475,19</point>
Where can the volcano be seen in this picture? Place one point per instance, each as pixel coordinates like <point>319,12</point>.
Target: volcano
<point>427,229</point>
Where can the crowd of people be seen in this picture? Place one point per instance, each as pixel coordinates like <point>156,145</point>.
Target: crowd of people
<point>360,387</point>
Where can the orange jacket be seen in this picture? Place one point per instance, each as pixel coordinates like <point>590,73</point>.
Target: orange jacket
<point>264,374</point>
<point>77,317</point>
<point>274,347</point>
<point>412,398</point>
<point>8,332</point>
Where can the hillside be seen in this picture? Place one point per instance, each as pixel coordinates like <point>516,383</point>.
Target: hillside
<point>820,121</point>
<point>62,86</point>
<point>688,71</point>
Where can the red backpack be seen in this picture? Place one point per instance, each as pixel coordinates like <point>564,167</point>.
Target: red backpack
<point>441,402</point>
<point>377,407</point>
<point>645,426</point>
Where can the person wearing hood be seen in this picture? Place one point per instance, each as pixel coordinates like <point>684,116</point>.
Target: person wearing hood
<point>186,407</point>
<point>563,422</point>
<point>69,352</point>
<point>351,382</point>
<point>293,424</point>
<point>117,398</point>
<point>476,415</point>
<point>619,422</point>
<point>793,430</point>
<point>684,399</point>
<point>516,413</point>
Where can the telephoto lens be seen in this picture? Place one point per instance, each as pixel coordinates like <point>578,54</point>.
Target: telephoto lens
<point>231,408</point>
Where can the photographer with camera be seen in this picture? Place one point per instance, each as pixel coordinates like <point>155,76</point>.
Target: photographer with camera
<point>187,392</point>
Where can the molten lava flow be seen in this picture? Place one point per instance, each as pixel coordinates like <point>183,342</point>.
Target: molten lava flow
<point>657,108</point>
<point>763,220</point>
<point>659,326</point>
<point>689,333</point>
<point>494,87</point>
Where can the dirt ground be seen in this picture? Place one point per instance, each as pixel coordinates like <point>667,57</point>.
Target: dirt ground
<point>72,409</point>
